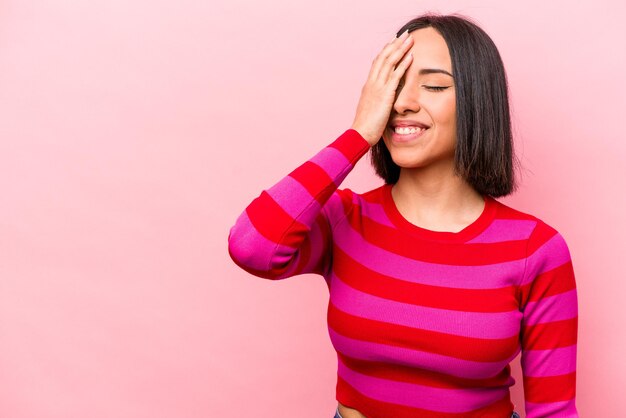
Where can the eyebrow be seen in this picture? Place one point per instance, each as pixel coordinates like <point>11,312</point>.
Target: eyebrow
<point>424,71</point>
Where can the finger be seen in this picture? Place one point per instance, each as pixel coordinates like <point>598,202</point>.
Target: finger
<point>384,53</point>
<point>400,69</point>
<point>396,75</point>
<point>382,56</point>
<point>394,58</point>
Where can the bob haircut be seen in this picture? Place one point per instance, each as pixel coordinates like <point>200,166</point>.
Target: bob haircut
<point>483,153</point>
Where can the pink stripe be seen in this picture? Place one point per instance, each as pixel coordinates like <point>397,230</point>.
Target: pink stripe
<point>373,211</point>
<point>552,254</point>
<point>552,308</point>
<point>284,255</point>
<point>250,248</point>
<point>254,250</point>
<point>564,409</point>
<point>506,230</point>
<point>334,208</point>
<point>467,324</point>
<point>554,362</point>
<point>294,198</point>
<point>319,249</point>
<point>420,396</point>
<point>391,355</point>
<point>490,276</point>
<point>332,161</point>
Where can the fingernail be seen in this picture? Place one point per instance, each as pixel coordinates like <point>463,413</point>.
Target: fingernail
<point>404,33</point>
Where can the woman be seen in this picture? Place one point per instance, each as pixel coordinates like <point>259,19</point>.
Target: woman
<point>435,286</point>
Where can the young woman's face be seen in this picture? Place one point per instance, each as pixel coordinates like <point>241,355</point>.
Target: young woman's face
<point>427,98</point>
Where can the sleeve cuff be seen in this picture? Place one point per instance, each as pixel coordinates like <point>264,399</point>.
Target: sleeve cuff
<point>352,145</point>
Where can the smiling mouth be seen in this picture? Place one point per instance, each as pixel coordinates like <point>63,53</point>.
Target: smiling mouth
<point>407,130</point>
<point>406,134</point>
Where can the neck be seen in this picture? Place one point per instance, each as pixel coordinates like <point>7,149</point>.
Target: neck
<point>436,197</point>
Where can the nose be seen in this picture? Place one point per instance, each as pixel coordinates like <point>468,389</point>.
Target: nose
<point>407,100</point>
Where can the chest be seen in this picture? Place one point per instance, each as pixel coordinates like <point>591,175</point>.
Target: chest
<point>415,304</point>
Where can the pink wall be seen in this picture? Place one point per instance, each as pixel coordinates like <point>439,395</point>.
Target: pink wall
<point>132,134</point>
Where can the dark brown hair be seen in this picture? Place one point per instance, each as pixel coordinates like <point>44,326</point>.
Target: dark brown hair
<point>484,154</point>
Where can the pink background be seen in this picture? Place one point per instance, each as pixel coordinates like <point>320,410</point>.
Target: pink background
<point>132,134</point>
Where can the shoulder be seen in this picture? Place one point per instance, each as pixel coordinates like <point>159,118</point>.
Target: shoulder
<point>543,239</point>
<point>539,228</point>
<point>351,197</point>
<point>343,201</point>
<point>547,251</point>
<point>340,204</point>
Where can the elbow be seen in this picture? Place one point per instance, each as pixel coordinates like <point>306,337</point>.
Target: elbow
<point>245,253</point>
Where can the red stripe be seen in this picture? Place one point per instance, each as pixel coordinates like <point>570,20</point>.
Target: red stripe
<point>424,377</point>
<point>550,389</point>
<point>346,201</point>
<point>540,235</point>
<point>466,348</point>
<point>550,335</point>
<point>468,300</point>
<point>306,251</point>
<point>369,407</point>
<point>271,221</point>
<point>351,144</point>
<point>461,254</point>
<point>313,178</point>
<point>304,255</point>
<point>558,280</point>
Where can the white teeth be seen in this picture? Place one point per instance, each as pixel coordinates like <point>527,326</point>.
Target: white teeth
<point>407,130</point>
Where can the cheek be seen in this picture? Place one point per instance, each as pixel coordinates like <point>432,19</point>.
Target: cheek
<point>450,106</point>
<point>444,113</point>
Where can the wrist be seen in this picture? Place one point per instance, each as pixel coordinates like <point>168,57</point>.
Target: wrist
<point>368,138</point>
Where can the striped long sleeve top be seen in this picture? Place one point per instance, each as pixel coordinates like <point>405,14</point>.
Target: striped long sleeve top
<point>425,323</point>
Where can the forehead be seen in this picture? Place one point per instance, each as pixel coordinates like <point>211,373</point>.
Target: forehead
<point>429,51</point>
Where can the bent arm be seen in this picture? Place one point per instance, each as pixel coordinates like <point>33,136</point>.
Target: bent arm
<point>287,229</point>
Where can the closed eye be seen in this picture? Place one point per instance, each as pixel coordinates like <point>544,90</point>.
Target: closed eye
<point>436,88</point>
<point>431,88</point>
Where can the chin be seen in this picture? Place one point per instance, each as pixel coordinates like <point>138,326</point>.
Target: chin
<point>407,161</point>
<point>403,164</point>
